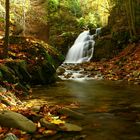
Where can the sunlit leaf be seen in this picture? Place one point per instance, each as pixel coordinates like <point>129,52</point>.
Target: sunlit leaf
<point>58,121</point>
<point>49,132</point>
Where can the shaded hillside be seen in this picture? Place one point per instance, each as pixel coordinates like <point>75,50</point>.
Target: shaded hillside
<point>125,66</point>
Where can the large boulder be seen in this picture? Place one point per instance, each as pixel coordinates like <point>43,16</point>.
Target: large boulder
<point>20,69</point>
<point>41,60</point>
<point>60,127</point>
<point>15,120</point>
<point>71,113</point>
<point>104,48</point>
<point>7,74</point>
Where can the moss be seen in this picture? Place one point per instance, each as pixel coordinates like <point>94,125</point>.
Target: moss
<point>104,48</point>
<point>20,69</point>
<point>7,74</point>
<point>121,36</point>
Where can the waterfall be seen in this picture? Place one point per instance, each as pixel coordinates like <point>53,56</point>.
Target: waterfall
<point>82,49</point>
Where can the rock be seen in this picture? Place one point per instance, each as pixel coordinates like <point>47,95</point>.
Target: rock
<point>49,132</point>
<point>20,69</point>
<point>81,137</point>
<point>10,136</point>
<point>98,76</point>
<point>89,68</point>
<point>60,71</point>
<point>104,48</point>
<point>15,120</point>
<point>70,127</point>
<point>71,113</point>
<point>36,108</point>
<point>60,127</point>
<point>48,124</point>
<point>7,74</point>
<point>136,73</point>
<point>135,107</point>
<point>3,89</point>
<point>68,75</point>
<point>44,73</point>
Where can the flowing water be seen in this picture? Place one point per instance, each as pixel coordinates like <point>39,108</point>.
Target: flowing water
<point>111,109</point>
<point>82,49</point>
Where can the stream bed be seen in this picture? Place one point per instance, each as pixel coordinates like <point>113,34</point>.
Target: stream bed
<point>111,109</point>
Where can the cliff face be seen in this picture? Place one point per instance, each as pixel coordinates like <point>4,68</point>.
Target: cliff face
<point>123,28</point>
<point>125,16</point>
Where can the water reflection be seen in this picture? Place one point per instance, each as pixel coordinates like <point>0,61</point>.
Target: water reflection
<point>112,109</point>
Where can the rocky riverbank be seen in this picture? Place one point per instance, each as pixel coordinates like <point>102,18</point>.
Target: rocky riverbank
<point>125,67</point>
<point>30,62</point>
<point>40,122</point>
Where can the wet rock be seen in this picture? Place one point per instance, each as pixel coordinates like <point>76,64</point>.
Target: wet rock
<point>15,120</point>
<point>11,136</point>
<point>20,69</point>
<point>98,76</point>
<point>138,123</point>
<point>135,107</point>
<point>49,132</point>
<point>59,127</point>
<point>7,74</point>
<point>138,115</point>
<point>60,71</point>
<point>81,137</point>
<point>89,68</point>
<point>67,76</point>
<point>71,113</point>
<point>76,68</point>
<point>43,74</point>
<point>120,109</point>
<point>70,127</point>
<point>48,124</point>
<point>36,108</point>
<point>37,136</point>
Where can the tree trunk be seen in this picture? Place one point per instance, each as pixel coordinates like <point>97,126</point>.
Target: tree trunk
<point>130,11</point>
<point>48,22</point>
<point>6,39</point>
<point>128,18</point>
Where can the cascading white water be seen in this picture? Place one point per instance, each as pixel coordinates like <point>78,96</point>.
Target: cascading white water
<point>82,49</point>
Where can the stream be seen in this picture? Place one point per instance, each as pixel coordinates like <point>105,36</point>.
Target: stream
<point>111,108</point>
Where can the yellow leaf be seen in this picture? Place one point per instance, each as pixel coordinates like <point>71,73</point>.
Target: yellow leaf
<point>58,121</point>
<point>49,132</point>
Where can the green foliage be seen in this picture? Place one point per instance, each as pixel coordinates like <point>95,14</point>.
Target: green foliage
<point>18,9</point>
<point>53,5</point>
<point>81,22</point>
<point>1,19</point>
<point>91,20</point>
<point>1,75</point>
<point>75,8</point>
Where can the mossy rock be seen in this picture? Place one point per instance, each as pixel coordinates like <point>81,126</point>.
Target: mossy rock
<point>63,41</point>
<point>40,58</point>
<point>121,36</point>
<point>33,48</point>
<point>7,74</point>
<point>44,73</point>
<point>20,69</point>
<point>104,48</point>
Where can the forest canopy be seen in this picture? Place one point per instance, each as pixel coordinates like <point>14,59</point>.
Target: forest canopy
<point>86,11</point>
<point>60,16</point>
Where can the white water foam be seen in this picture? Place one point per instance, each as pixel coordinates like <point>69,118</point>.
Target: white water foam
<point>82,49</point>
